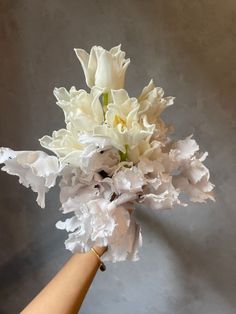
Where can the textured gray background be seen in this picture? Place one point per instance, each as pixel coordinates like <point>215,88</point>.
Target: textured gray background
<point>188,261</point>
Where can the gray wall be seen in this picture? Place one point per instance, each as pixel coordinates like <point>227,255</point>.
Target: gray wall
<point>188,258</point>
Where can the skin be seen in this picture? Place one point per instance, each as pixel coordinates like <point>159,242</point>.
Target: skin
<point>65,293</point>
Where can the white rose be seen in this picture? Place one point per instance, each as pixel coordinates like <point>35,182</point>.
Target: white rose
<point>102,68</point>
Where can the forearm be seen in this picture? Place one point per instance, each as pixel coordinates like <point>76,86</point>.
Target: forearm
<point>64,294</point>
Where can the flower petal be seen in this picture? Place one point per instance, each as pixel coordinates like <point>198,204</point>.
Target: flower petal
<point>35,169</point>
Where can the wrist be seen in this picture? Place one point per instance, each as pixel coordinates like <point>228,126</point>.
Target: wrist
<point>100,249</point>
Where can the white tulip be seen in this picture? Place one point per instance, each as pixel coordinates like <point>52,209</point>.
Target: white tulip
<point>124,126</point>
<point>62,142</point>
<point>81,109</point>
<point>102,68</point>
<point>152,101</point>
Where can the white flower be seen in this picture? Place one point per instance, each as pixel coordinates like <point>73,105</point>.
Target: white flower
<point>64,143</point>
<point>82,110</point>
<point>74,185</point>
<point>183,149</point>
<point>97,154</point>
<point>136,152</point>
<point>35,169</point>
<point>152,102</point>
<point>194,180</point>
<point>123,125</point>
<point>156,160</point>
<point>90,153</point>
<point>95,223</point>
<point>125,240</point>
<point>92,224</point>
<point>161,200</point>
<point>128,180</point>
<point>159,192</point>
<point>100,217</point>
<point>102,68</point>
<point>75,192</point>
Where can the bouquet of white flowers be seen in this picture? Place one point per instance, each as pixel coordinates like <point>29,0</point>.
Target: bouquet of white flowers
<point>114,152</point>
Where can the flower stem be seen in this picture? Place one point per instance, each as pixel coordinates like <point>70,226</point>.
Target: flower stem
<point>105,99</point>
<point>124,156</point>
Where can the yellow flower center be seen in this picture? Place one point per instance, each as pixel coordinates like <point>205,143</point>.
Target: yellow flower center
<point>119,120</point>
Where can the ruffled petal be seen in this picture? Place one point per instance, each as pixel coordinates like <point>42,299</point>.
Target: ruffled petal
<point>35,169</point>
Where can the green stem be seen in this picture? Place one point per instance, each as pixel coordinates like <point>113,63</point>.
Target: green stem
<point>124,156</point>
<point>105,99</point>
